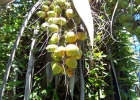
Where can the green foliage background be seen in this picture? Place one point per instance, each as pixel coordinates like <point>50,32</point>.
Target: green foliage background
<point>96,63</point>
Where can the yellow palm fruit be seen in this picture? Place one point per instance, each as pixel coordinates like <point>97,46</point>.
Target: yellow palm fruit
<point>70,37</point>
<point>48,2</point>
<point>55,58</point>
<point>61,2</point>
<point>71,62</point>
<point>81,36</point>
<point>54,39</point>
<point>69,13</point>
<point>57,9</point>
<point>61,21</point>
<point>51,14</point>
<point>53,28</point>
<point>60,51</point>
<point>57,68</point>
<point>79,55</point>
<point>41,14</point>
<point>44,26</point>
<point>71,50</point>
<point>66,5</point>
<point>51,47</point>
<point>45,8</point>
<point>52,20</point>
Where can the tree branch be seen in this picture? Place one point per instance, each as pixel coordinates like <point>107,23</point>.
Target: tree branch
<point>28,85</point>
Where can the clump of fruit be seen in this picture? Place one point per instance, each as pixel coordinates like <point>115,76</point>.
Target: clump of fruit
<point>55,14</point>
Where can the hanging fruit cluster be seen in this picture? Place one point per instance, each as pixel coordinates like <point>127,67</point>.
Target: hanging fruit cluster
<point>61,22</point>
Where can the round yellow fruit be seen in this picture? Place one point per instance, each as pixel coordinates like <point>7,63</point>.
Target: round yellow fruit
<point>57,68</point>
<point>45,8</point>
<point>52,6</point>
<point>68,71</point>
<point>61,2</point>
<point>57,9</point>
<point>69,13</point>
<point>52,20</point>
<point>48,2</point>
<point>51,14</point>
<point>77,19</point>
<point>71,62</point>
<point>55,58</point>
<point>81,36</point>
<point>44,26</point>
<point>61,21</point>
<point>71,50</point>
<point>66,5</point>
<point>60,51</point>
<point>70,37</point>
<point>79,55</point>
<point>51,47</point>
<point>54,39</point>
<point>41,14</point>
<point>53,28</point>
